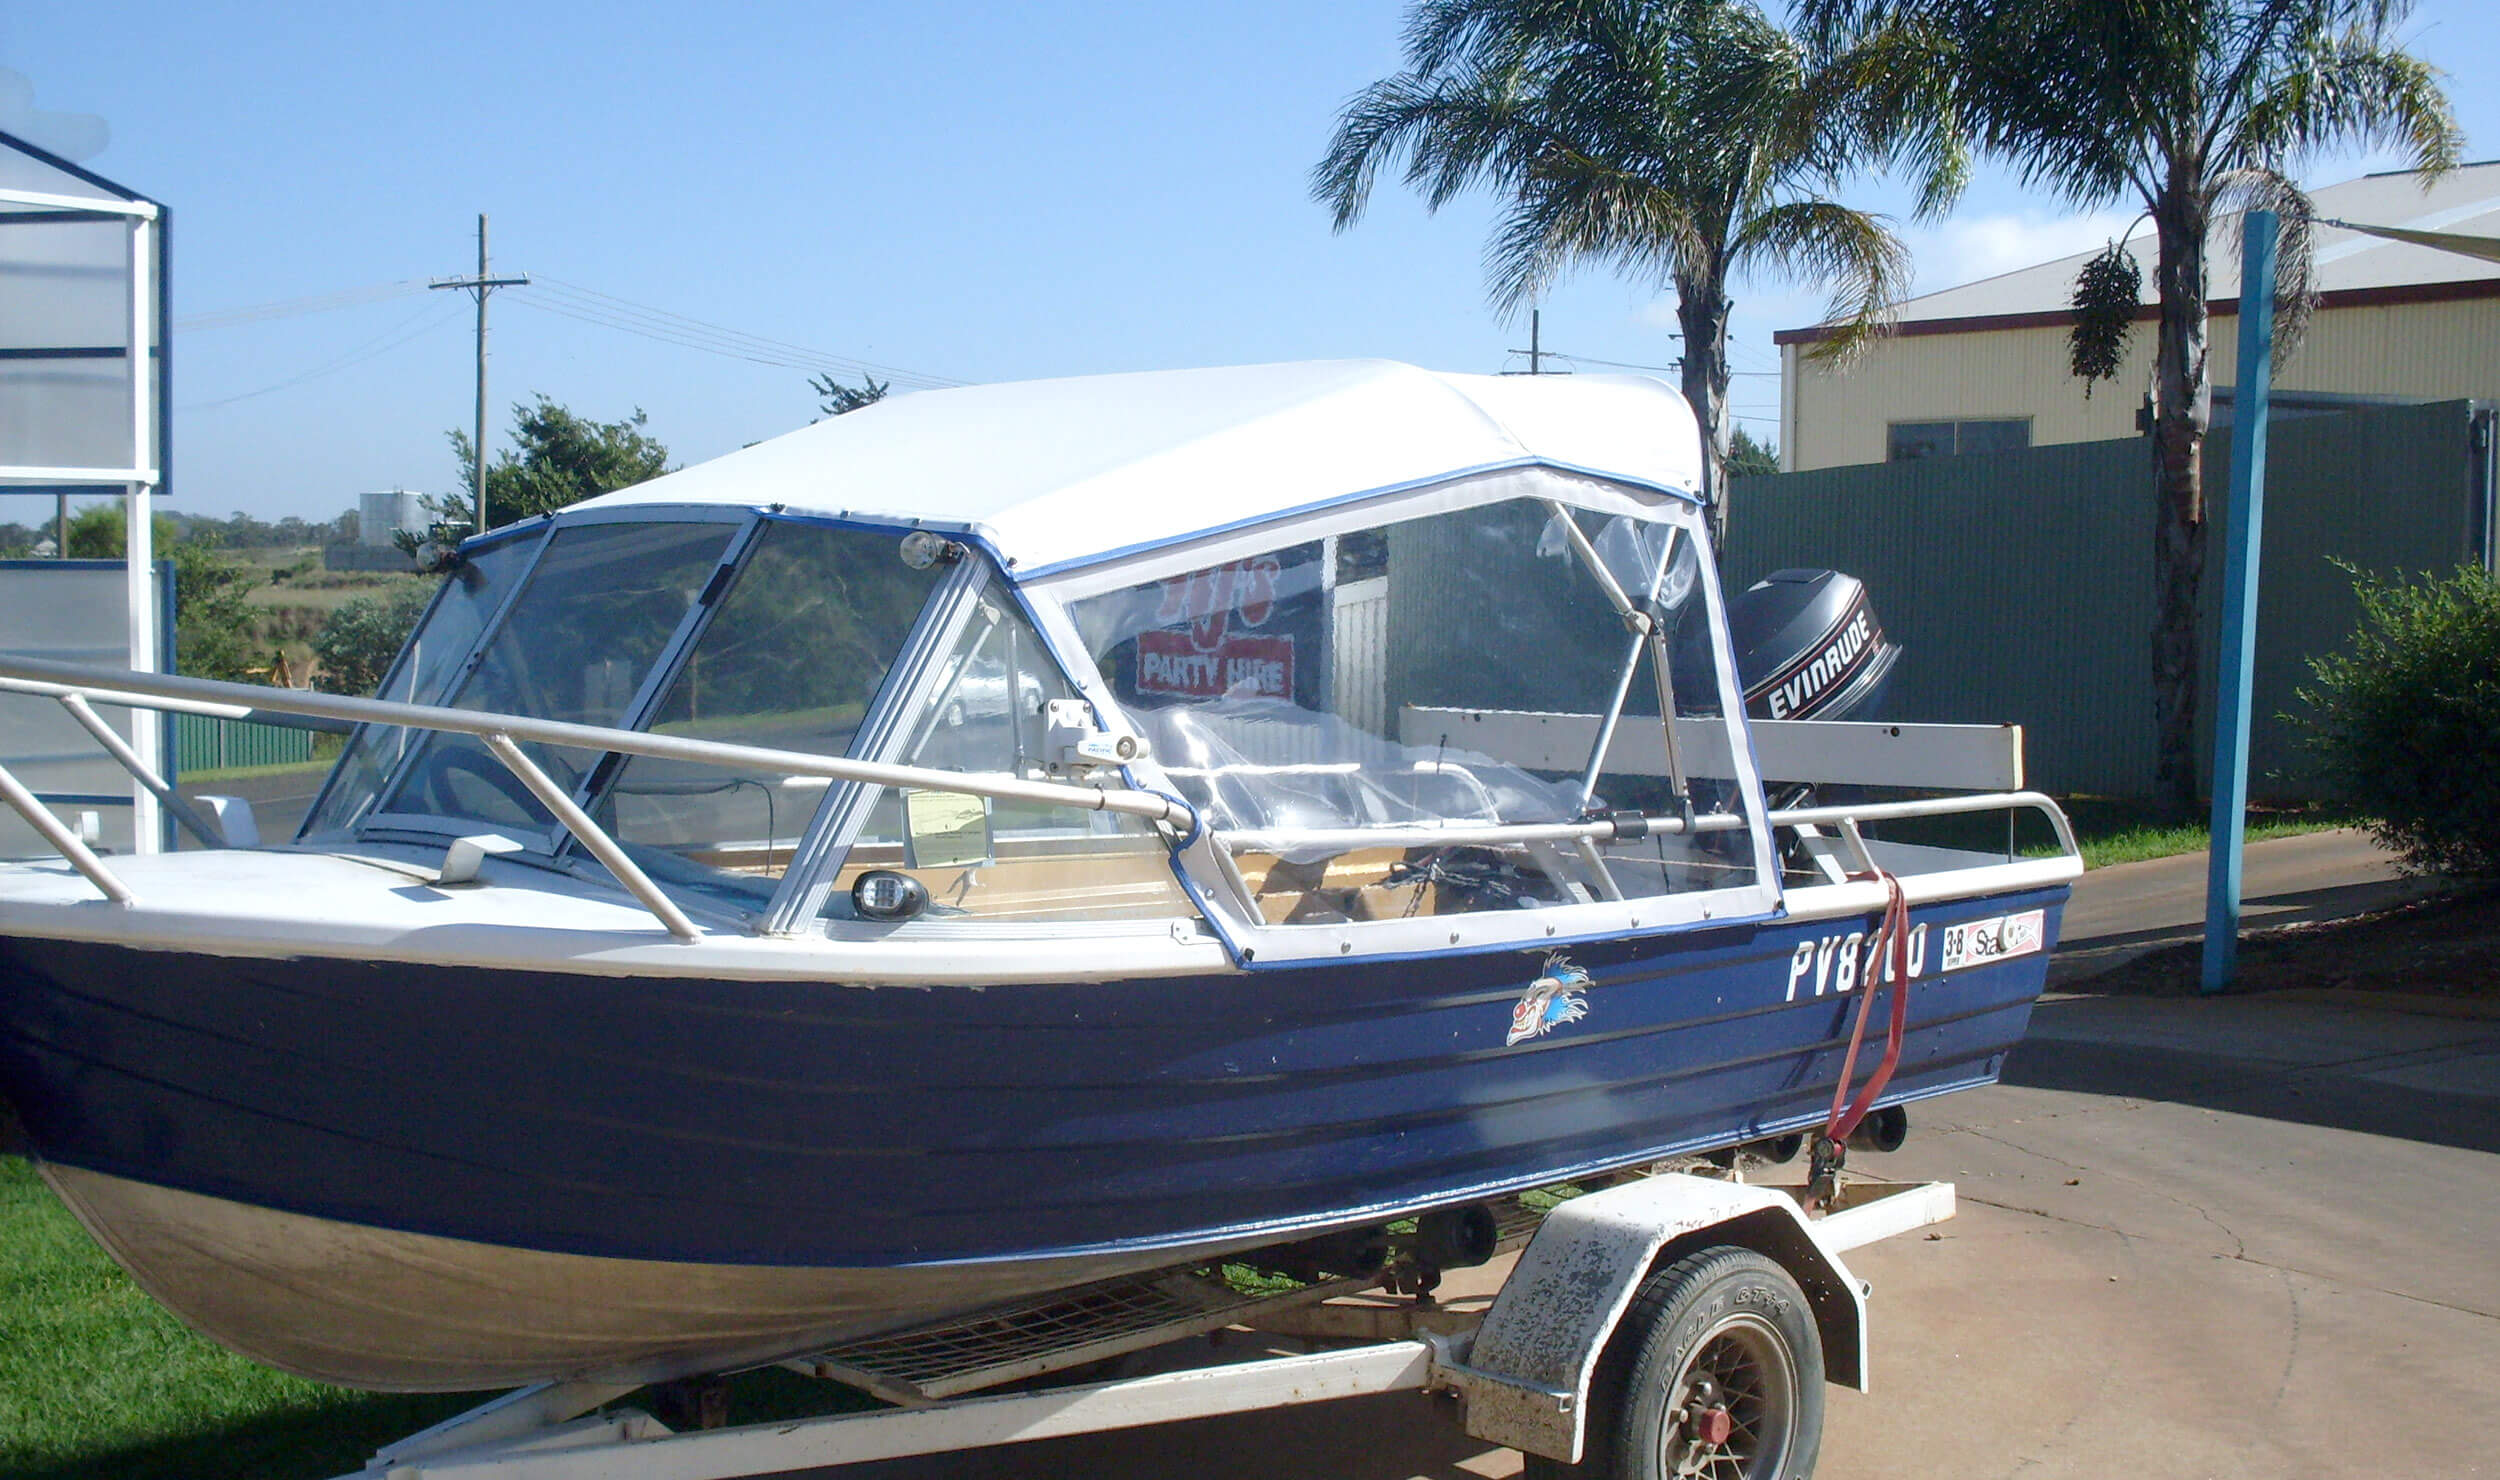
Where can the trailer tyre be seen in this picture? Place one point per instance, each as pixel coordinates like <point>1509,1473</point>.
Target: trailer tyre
<point>1716,1372</point>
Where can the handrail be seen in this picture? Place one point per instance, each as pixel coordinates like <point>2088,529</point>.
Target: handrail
<point>1601,829</point>
<point>67,843</point>
<point>119,749</point>
<point>1986,801</point>
<point>208,695</point>
<point>606,849</point>
<point>76,687</point>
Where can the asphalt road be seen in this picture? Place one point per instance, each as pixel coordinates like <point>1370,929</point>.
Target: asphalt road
<point>2242,1239</point>
<point>2121,912</point>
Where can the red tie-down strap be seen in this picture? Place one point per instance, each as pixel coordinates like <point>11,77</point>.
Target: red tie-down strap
<point>1891,946</point>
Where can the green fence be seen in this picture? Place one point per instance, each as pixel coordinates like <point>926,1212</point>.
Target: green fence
<point>2021,583</point>
<point>205,744</point>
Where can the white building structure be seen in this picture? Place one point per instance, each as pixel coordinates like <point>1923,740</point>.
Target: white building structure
<point>1984,366</point>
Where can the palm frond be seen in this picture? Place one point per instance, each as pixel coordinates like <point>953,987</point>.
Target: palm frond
<point>1578,208</point>
<point>1451,134</point>
<point>1667,138</point>
<point>1888,97</point>
<point>2349,90</point>
<point>2295,259</point>
<point>1855,252</point>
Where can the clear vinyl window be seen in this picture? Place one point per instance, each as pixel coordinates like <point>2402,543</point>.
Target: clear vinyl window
<point>1337,706</point>
<point>984,859</point>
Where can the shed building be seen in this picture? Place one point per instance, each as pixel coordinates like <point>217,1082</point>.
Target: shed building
<point>1984,367</point>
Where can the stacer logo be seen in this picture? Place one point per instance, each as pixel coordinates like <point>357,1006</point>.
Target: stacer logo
<point>1979,942</point>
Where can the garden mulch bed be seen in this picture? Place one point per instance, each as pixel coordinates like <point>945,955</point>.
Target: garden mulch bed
<point>2441,950</point>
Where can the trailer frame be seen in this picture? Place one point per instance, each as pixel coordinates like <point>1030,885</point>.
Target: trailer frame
<point>1523,1371</point>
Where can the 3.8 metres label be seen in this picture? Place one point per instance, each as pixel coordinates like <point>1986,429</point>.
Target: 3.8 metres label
<point>1979,942</point>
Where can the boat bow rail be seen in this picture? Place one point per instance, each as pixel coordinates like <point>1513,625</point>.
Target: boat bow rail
<point>77,687</point>
<point>1849,889</point>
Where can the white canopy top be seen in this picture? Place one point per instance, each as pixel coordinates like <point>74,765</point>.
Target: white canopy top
<point>1065,472</point>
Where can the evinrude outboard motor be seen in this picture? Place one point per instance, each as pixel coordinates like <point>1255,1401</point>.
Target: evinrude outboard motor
<point>1808,646</point>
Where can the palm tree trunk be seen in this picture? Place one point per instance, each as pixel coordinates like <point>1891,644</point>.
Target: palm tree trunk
<point>2180,415</point>
<point>1701,310</point>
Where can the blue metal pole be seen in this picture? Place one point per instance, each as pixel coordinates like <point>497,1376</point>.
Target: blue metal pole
<point>2242,532</point>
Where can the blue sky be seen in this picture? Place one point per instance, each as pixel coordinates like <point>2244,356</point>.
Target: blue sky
<point>973,192</point>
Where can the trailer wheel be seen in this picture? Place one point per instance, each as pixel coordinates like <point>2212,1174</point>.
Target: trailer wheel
<point>1715,1374</point>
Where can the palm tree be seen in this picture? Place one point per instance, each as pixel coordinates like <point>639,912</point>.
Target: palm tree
<point>1684,140</point>
<point>2191,109</point>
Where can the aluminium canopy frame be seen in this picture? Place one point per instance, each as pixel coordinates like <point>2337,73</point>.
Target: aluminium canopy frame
<point>71,195</point>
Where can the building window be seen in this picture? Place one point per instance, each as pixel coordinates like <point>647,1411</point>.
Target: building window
<point>1911,440</point>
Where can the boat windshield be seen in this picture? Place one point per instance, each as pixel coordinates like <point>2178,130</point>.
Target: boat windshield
<point>687,628</point>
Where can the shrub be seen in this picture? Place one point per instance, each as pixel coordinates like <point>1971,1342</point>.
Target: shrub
<point>358,642</point>
<point>2407,719</point>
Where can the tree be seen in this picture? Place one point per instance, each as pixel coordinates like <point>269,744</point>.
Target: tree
<point>1684,140</point>
<point>356,645</point>
<point>2406,719</point>
<point>215,623</point>
<point>557,459</point>
<point>1748,457</point>
<point>834,398</point>
<point>2189,108</point>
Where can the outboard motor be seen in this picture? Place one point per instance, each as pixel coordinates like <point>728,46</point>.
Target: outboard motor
<point>1808,646</point>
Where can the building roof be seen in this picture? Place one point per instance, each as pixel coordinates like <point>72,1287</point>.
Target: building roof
<point>2351,268</point>
<point>1064,472</point>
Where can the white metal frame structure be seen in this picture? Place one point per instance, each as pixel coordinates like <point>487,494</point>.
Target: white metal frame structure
<point>78,196</point>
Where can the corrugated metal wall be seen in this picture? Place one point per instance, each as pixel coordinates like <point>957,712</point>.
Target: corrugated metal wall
<point>203,743</point>
<point>2021,582</point>
<point>1359,657</point>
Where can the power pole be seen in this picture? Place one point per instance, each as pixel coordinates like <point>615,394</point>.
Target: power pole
<point>480,286</point>
<point>1536,345</point>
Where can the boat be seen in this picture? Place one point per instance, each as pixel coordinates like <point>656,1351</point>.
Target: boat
<point>1000,839</point>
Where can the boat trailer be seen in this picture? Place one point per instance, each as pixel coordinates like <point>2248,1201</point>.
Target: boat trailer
<point>1690,1315</point>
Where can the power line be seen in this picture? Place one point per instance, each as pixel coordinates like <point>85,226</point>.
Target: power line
<point>287,308</point>
<point>660,323</point>
<point>582,304</point>
<point>687,324</point>
<point>1616,364</point>
<point>709,344</point>
<point>434,318</point>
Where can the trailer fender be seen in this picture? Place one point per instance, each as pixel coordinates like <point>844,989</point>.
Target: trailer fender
<point>1526,1376</point>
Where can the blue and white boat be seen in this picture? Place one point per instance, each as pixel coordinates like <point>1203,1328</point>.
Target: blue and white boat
<point>991,841</point>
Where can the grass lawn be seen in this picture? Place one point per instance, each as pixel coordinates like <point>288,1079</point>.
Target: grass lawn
<point>97,1382</point>
<point>2108,830</point>
<point>2129,832</point>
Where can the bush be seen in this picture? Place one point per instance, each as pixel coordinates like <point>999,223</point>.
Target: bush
<point>356,645</point>
<point>2407,719</point>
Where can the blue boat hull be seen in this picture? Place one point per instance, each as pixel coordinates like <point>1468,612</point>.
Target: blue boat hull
<point>837,1126</point>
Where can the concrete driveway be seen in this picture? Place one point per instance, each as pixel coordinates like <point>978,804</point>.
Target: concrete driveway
<point>2242,1239</point>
